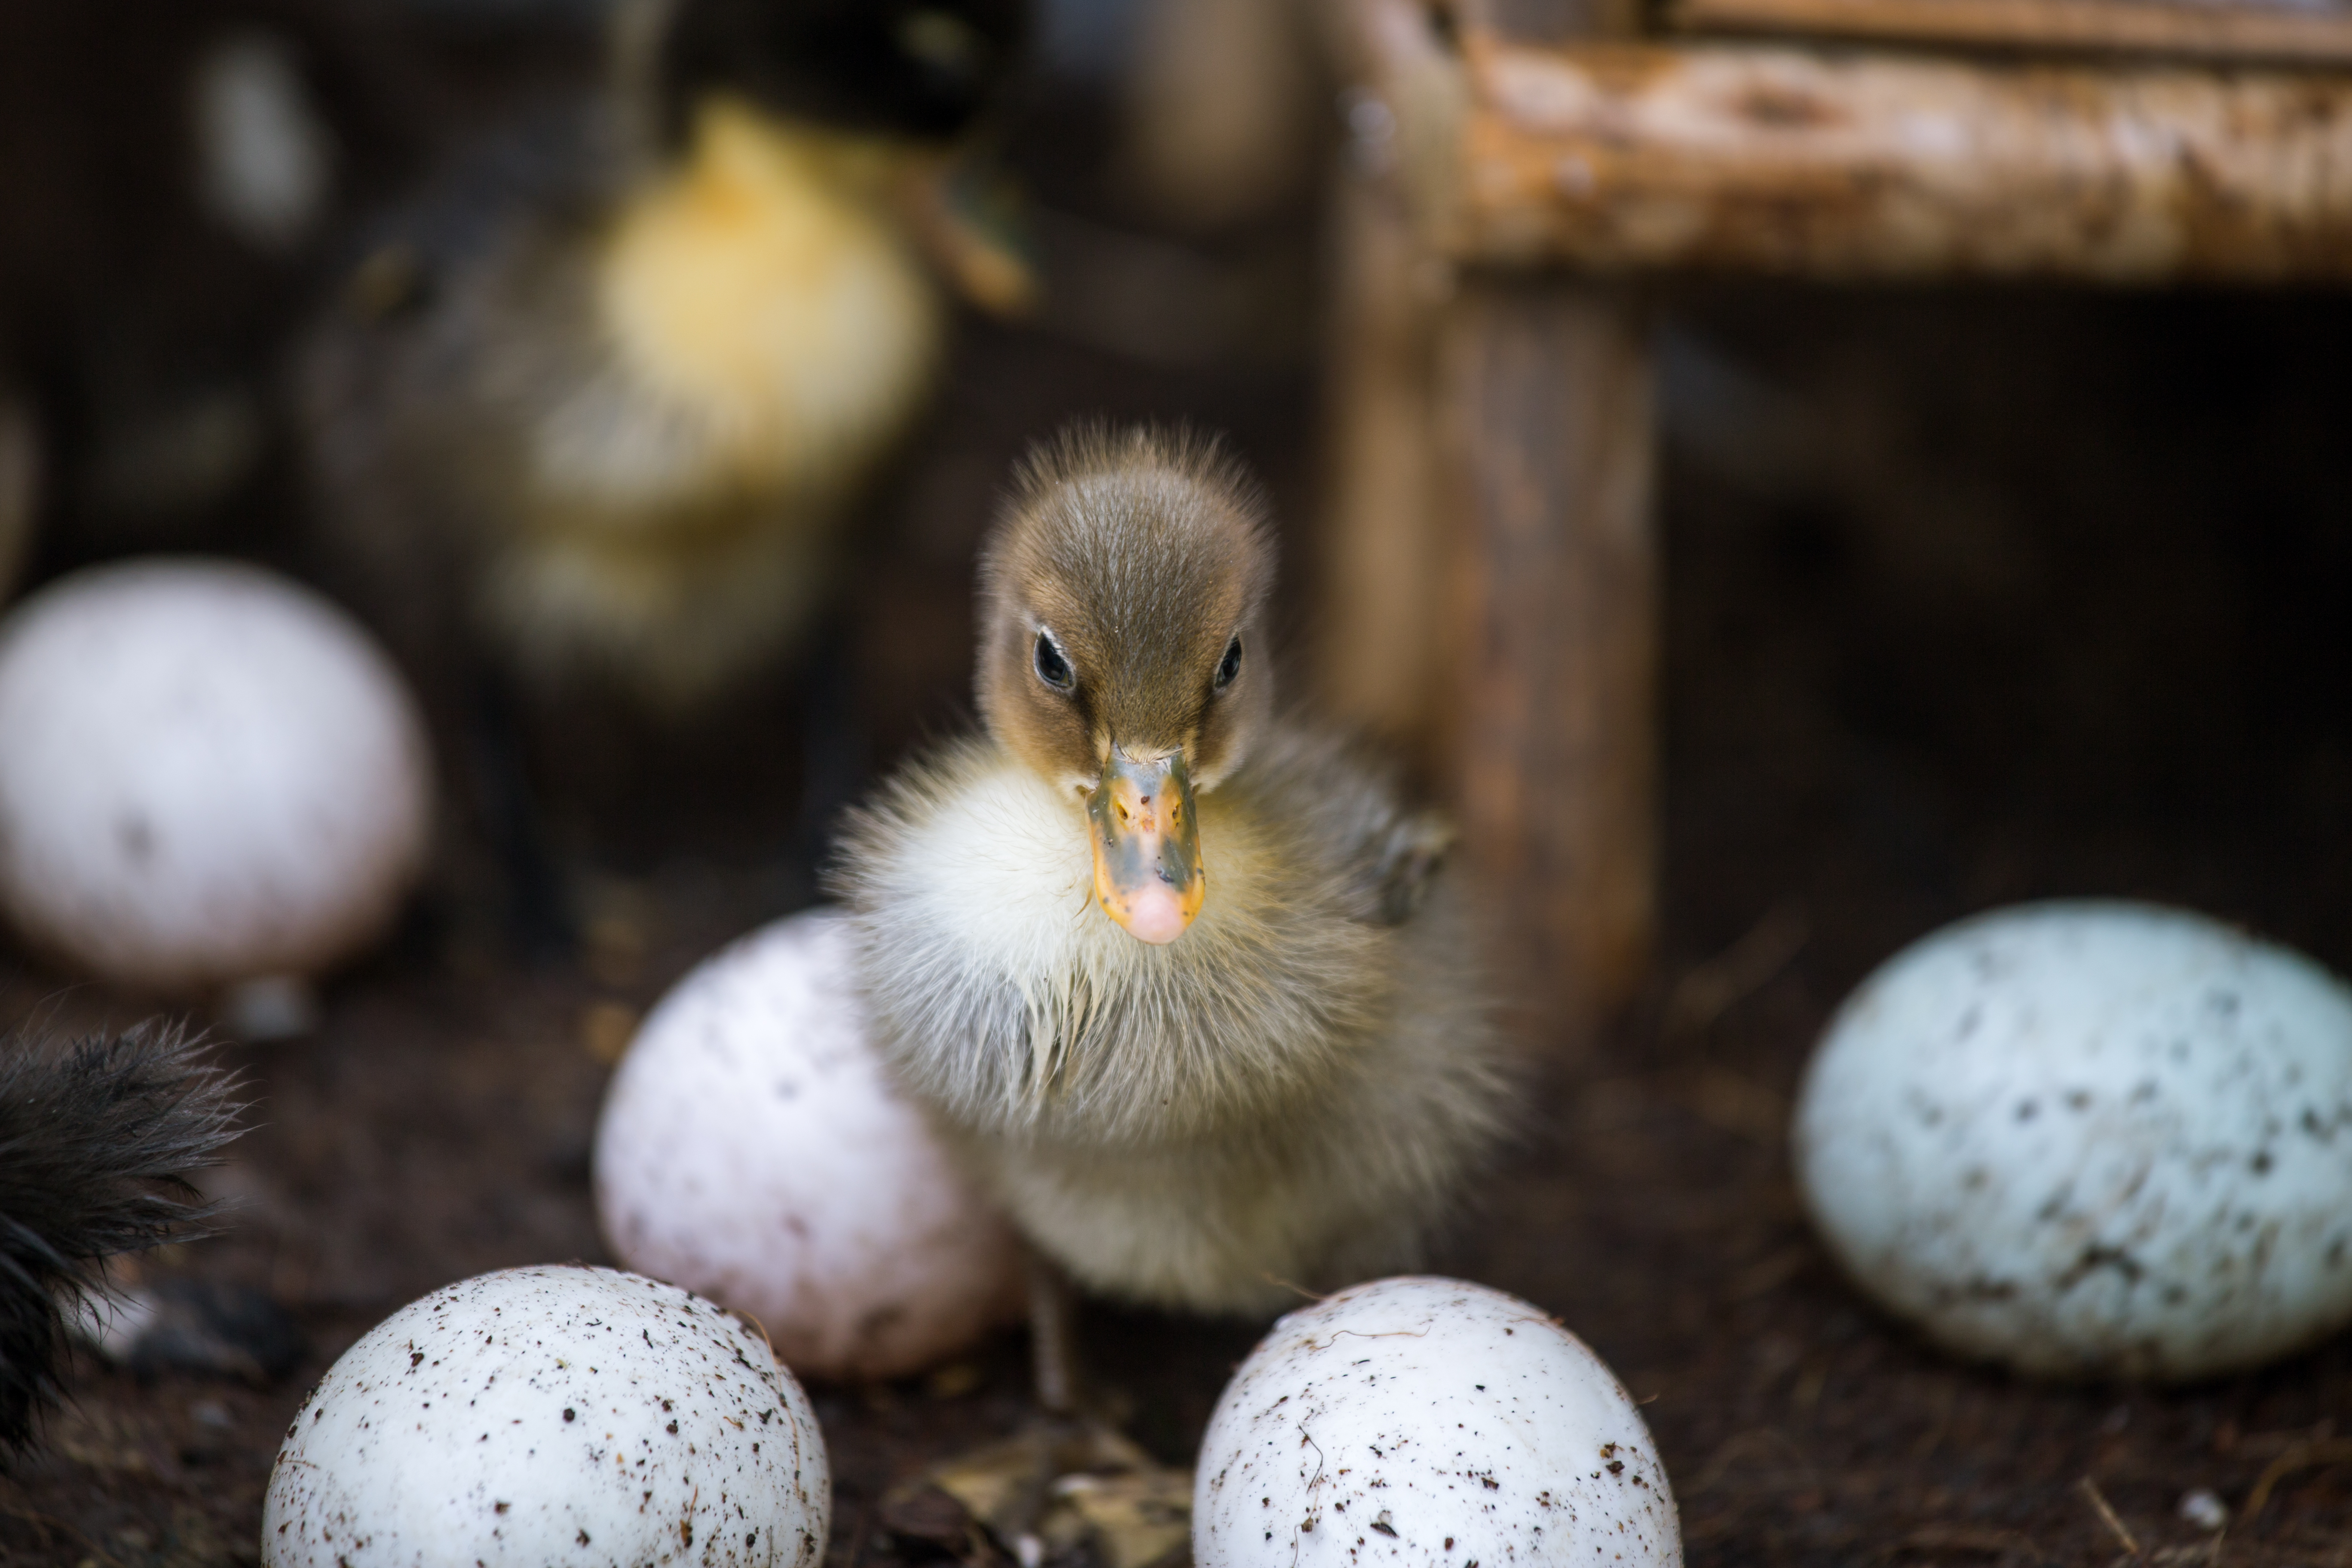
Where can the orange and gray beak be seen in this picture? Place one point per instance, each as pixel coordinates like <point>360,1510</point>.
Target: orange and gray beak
<point>1147,873</point>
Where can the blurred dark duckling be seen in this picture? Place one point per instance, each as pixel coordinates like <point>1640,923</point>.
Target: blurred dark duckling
<point>601,404</point>
<point>1182,977</point>
<point>98,1140</point>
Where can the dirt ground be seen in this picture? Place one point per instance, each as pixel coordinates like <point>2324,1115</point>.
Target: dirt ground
<point>1970,599</point>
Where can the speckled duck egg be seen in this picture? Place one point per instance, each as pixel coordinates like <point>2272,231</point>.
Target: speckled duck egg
<point>753,1148</point>
<point>208,775</point>
<point>1428,1421</point>
<point>2091,1139</point>
<point>549,1417</point>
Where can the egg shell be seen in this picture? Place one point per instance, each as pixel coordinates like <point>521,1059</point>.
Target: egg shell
<point>2091,1139</point>
<point>538,1417</point>
<point>1420,1420</point>
<point>753,1148</point>
<point>207,774</point>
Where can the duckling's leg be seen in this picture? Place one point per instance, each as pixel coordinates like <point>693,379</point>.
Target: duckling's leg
<point>833,749</point>
<point>1053,1336</point>
<point>1059,1442</point>
<point>538,913</point>
<point>1069,1476</point>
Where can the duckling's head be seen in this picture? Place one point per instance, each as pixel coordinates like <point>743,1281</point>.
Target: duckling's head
<point>917,69</point>
<point>1121,654</point>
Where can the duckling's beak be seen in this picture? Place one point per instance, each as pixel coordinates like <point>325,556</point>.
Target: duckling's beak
<point>1147,873</point>
<point>967,217</point>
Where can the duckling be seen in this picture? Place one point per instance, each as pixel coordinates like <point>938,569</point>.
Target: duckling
<point>601,404</point>
<point>1182,977</point>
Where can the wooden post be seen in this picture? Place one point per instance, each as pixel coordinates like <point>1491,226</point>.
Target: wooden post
<point>1548,401</point>
<point>1548,413</point>
<point>1379,661</point>
<point>1490,583</point>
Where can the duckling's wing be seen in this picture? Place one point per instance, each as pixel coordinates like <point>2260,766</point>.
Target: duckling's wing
<point>436,294</point>
<point>1412,854</point>
<point>1336,802</point>
<point>559,161</point>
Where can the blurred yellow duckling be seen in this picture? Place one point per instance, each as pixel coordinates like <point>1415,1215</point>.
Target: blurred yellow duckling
<point>600,406</point>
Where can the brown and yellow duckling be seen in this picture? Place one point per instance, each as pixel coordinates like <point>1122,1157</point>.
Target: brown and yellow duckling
<point>1184,979</point>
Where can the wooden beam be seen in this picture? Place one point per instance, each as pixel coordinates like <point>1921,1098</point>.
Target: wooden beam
<point>1544,21</point>
<point>2237,32</point>
<point>1763,159</point>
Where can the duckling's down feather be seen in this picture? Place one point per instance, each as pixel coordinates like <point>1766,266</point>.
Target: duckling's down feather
<point>1289,1095</point>
<point>97,1140</point>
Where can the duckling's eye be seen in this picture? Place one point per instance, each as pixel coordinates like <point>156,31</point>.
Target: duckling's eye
<point>1052,667</point>
<point>1231,665</point>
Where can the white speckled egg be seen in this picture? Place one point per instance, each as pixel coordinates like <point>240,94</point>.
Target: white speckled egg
<point>753,1148</point>
<point>1428,1421</point>
<point>207,774</point>
<point>550,1417</point>
<point>2091,1139</point>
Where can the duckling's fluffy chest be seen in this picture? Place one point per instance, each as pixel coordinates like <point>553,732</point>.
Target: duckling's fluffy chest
<point>1292,1090</point>
<point>1018,1008</point>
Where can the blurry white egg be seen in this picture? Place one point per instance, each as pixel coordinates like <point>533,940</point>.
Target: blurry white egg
<point>2091,1139</point>
<point>753,1149</point>
<point>207,774</point>
<point>551,1415</point>
<point>1428,1421</point>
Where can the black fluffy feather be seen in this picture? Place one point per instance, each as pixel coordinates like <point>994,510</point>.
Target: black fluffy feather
<point>97,1140</point>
